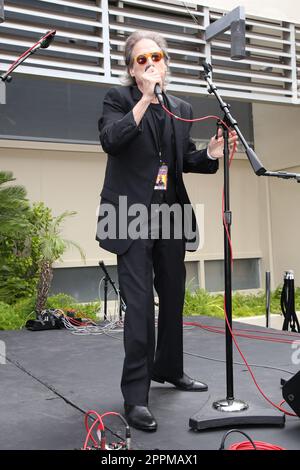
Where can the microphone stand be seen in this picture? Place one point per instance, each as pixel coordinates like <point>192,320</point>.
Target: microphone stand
<point>108,279</point>
<point>229,411</point>
<point>43,43</point>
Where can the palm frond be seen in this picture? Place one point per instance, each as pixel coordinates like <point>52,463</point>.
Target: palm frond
<point>6,177</point>
<point>71,243</point>
<point>14,207</point>
<point>13,192</point>
<point>11,228</point>
<point>60,218</point>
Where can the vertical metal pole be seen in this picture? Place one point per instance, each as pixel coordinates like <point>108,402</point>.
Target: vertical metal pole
<point>227,270</point>
<point>293,74</point>
<point>105,297</point>
<point>105,38</point>
<point>268,297</point>
<point>120,307</point>
<point>206,23</point>
<point>2,93</point>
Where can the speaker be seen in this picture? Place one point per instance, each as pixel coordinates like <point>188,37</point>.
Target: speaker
<point>291,393</point>
<point>1,11</point>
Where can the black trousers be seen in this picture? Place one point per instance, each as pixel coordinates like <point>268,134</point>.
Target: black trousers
<point>135,272</point>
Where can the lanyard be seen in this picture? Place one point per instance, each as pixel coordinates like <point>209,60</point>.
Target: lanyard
<point>158,135</point>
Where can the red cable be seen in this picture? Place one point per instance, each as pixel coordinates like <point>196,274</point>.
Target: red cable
<point>195,119</point>
<point>76,322</point>
<point>110,413</point>
<point>246,445</point>
<point>101,428</point>
<point>229,239</point>
<point>223,210</point>
<point>90,430</point>
<point>250,370</point>
<point>272,333</point>
<point>217,330</point>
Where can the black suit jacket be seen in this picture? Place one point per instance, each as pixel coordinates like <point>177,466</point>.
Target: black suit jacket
<point>133,159</point>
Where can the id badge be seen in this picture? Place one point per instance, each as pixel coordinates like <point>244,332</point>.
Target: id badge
<point>162,178</point>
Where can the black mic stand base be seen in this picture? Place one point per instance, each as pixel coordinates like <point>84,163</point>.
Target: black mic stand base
<point>234,413</point>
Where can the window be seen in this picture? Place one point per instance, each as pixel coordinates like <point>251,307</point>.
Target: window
<point>245,274</point>
<point>51,110</point>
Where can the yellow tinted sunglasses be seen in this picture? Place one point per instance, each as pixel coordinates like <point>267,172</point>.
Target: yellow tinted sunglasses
<point>141,59</point>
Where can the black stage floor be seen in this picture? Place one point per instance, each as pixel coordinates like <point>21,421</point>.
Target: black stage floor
<point>51,377</point>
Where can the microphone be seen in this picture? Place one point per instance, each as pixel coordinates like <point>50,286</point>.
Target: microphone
<point>158,94</point>
<point>157,89</point>
<point>207,67</point>
<point>47,39</point>
<point>238,40</point>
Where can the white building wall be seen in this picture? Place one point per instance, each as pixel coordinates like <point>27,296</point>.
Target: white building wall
<point>272,9</point>
<point>276,130</point>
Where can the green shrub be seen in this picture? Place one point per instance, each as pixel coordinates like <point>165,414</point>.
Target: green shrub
<point>244,305</point>
<point>88,310</point>
<point>201,302</point>
<point>9,319</point>
<point>24,308</point>
<point>63,301</point>
<point>14,317</point>
<point>67,302</point>
<point>20,257</point>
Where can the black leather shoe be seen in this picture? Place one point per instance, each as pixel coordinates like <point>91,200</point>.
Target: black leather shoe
<point>185,383</point>
<point>140,417</point>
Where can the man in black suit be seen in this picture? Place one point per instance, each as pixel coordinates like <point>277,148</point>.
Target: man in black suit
<point>143,143</point>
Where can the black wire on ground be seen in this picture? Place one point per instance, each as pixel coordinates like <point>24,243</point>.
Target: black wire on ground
<point>53,390</point>
<point>222,446</point>
<point>263,366</point>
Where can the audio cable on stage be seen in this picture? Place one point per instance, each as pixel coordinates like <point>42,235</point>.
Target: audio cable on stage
<point>247,445</point>
<point>283,337</point>
<point>100,442</point>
